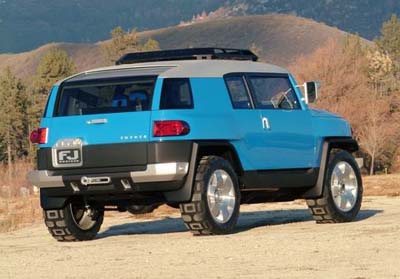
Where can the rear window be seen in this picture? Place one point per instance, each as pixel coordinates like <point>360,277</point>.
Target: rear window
<point>111,96</point>
<point>176,94</point>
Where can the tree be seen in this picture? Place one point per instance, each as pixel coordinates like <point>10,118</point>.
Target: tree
<point>351,79</point>
<point>340,67</point>
<point>379,69</point>
<point>54,66</point>
<point>151,45</point>
<point>13,124</point>
<point>121,42</point>
<point>389,41</point>
<point>378,129</point>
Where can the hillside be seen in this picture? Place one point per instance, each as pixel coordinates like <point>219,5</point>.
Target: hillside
<point>28,24</point>
<point>364,17</point>
<point>280,39</point>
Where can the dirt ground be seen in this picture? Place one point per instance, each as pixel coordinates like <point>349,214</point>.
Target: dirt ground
<point>277,240</point>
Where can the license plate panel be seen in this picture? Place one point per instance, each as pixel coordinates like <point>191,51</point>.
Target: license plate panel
<point>67,153</point>
<point>69,156</point>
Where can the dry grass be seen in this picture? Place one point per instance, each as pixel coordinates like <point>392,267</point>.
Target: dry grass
<point>19,185</point>
<point>382,185</point>
<point>19,205</point>
<point>19,212</point>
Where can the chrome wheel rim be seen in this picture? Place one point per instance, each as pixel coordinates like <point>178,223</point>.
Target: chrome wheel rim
<point>344,186</point>
<point>83,217</point>
<point>221,196</point>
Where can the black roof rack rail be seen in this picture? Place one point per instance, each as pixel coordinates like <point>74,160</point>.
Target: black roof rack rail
<point>187,54</point>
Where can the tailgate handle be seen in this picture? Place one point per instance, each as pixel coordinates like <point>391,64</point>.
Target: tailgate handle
<point>97,121</point>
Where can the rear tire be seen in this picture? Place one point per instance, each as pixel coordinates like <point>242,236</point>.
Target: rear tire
<point>214,208</point>
<point>342,194</point>
<point>74,222</point>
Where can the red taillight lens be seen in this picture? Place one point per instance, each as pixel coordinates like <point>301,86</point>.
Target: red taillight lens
<point>170,128</point>
<point>39,136</point>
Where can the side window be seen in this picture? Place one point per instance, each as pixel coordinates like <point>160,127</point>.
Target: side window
<point>238,92</point>
<point>176,94</point>
<point>273,93</point>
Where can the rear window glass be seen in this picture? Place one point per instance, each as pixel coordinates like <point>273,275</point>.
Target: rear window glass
<point>111,96</point>
<point>176,94</point>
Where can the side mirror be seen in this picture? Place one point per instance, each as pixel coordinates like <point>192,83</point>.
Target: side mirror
<point>311,91</point>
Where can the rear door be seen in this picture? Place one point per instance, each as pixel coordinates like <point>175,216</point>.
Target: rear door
<point>101,122</point>
<point>248,124</point>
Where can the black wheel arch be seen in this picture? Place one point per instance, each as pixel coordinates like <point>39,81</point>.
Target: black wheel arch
<point>221,148</point>
<point>50,202</point>
<point>348,144</point>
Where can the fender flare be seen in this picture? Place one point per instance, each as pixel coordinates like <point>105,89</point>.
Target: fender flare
<point>49,202</point>
<point>185,193</point>
<point>345,143</point>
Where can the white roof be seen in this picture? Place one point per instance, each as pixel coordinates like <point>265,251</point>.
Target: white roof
<point>186,68</point>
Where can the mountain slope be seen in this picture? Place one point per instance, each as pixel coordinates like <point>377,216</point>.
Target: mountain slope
<point>364,17</point>
<point>279,38</point>
<point>27,24</point>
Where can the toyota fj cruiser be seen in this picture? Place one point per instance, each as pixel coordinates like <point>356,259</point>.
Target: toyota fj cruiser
<point>204,130</point>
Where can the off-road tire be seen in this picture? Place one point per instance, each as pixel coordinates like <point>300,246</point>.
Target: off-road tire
<point>324,209</point>
<point>196,214</point>
<point>63,228</point>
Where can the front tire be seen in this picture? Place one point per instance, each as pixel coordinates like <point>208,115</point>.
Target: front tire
<point>214,208</point>
<point>343,190</point>
<point>74,222</point>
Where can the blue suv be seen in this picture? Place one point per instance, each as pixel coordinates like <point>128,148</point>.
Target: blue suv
<point>203,130</point>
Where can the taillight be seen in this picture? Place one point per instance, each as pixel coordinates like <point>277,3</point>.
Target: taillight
<point>167,128</point>
<point>39,136</point>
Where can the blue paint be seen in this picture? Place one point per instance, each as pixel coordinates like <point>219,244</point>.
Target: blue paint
<point>51,101</point>
<point>293,140</point>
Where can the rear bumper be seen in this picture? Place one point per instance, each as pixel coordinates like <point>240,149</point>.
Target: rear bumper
<point>167,177</point>
<point>43,179</point>
<point>154,173</point>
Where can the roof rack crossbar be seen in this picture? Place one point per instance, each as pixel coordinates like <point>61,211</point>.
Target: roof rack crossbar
<point>188,54</point>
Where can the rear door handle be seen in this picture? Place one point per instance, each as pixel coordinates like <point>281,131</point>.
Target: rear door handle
<point>97,121</point>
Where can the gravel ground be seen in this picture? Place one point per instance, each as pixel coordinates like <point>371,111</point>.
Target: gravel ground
<point>277,240</point>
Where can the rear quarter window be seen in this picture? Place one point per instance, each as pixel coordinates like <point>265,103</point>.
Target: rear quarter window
<point>105,96</point>
<point>176,94</point>
<point>238,92</point>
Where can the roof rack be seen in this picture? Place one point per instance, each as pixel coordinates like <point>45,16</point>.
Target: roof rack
<point>187,54</point>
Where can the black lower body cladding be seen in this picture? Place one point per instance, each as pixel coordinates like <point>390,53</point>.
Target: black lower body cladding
<point>118,163</point>
<point>122,155</point>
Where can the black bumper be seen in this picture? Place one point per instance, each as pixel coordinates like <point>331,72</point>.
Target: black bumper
<point>101,157</point>
<point>127,180</point>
